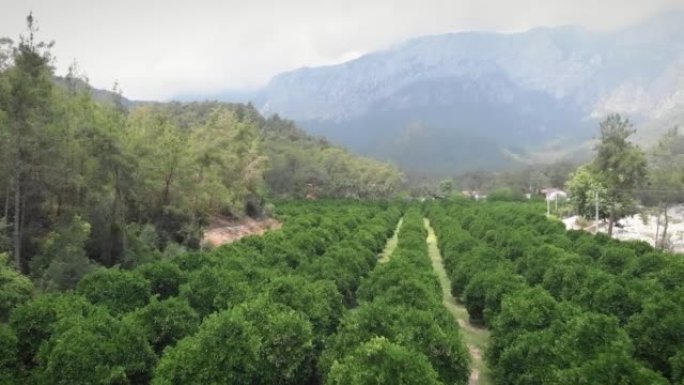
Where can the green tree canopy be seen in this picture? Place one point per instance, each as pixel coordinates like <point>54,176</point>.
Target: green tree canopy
<point>118,290</point>
<point>15,288</point>
<point>37,320</point>
<point>620,165</point>
<point>97,349</point>
<point>165,322</point>
<point>380,362</point>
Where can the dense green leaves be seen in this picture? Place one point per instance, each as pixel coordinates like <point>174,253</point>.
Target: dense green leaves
<point>120,291</point>
<point>400,301</point>
<point>9,357</point>
<point>286,348</point>
<point>165,278</point>
<point>15,288</point>
<point>165,322</point>
<point>618,169</point>
<point>209,289</point>
<point>416,329</point>
<point>224,351</point>
<point>87,179</point>
<point>380,362</point>
<point>62,261</point>
<point>564,308</point>
<point>38,320</point>
<point>97,349</point>
<point>254,343</point>
<point>319,300</point>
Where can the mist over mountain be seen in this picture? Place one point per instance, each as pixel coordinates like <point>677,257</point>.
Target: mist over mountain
<point>474,100</point>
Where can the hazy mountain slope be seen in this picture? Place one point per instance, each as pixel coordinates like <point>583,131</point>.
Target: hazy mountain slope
<point>467,100</point>
<point>648,133</point>
<point>100,95</point>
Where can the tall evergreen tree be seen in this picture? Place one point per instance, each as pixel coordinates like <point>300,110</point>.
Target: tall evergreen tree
<point>29,83</point>
<point>667,175</point>
<point>620,165</point>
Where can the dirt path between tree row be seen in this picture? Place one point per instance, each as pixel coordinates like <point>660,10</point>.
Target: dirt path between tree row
<point>391,244</point>
<point>222,231</point>
<point>476,338</point>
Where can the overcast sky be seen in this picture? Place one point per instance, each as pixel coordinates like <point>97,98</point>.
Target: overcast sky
<point>158,49</point>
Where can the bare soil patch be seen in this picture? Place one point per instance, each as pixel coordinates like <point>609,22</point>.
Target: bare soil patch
<point>223,230</point>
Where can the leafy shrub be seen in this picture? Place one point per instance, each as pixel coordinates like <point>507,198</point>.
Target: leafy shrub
<point>118,290</point>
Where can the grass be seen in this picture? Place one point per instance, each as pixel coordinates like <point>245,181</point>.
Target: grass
<point>391,244</point>
<point>475,337</point>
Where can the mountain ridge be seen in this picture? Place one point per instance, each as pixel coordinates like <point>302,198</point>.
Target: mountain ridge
<point>512,92</point>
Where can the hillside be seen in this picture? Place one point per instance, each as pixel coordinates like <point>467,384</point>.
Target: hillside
<point>491,98</point>
<point>90,178</point>
<point>298,163</point>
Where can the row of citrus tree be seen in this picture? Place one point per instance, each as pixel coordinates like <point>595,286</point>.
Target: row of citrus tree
<point>400,333</point>
<point>256,311</point>
<point>563,307</point>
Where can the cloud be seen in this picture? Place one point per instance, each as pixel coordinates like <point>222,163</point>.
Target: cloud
<point>157,49</point>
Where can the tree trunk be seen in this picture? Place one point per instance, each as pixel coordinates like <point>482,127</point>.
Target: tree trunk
<point>663,240</point>
<point>122,220</point>
<point>59,206</point>
<point>657,238</point>
<point>611,221</point>
<point>7,202</point>
<point>79,190</point>
<point>17,203</point>
<point>167,189</point>
<point>17,227</point>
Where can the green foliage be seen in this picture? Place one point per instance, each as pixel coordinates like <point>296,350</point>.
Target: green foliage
<point>440,343</point>
<point>527,310</point>
<point>446,187</point>
<point>286,350</point>
<point>39,319</point>
<point>401,302</point>
<point>210,289</point>
<point>27,143</point>
<point>301,165</point>
<point>120,291</point>
<point>583,185</point>
<point>505,195</point>
<point>63,260</point>
<point>141,245</point>
<point>223,351</point>
<point>380,362</point>
<point>656,331</point>
<point>164,276</point>
<point>253,343</point>
<point>9,363</point>
<point>319,300</point>
<point>677,365</point>
<point>98,349</point>
<point>485,291</point>
<point>620,165</point>
<point>146,177</point>
<point>666,170</point>
<point>666,167</point>
<point>15,288</point>
<point>279,292</point>
<point>562,307</point>
<point>165,322</point>
<point>5,231</point>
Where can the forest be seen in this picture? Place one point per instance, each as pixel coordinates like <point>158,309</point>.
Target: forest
<point>88,180</point>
